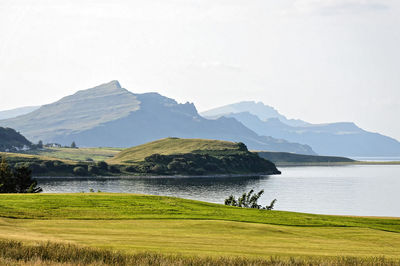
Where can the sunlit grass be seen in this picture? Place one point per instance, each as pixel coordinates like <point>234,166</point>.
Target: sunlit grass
<point>183,229</point>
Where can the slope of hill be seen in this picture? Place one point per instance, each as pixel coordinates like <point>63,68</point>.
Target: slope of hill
<point>6,114</point>
<point>110,116</point>
<point>169,146</point>
<point>194,157</point>
<point>11,140</point>
<point>338,139</point>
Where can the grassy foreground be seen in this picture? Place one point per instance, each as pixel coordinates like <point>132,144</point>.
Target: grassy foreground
<point>180,229</point>
<point>16,253</point>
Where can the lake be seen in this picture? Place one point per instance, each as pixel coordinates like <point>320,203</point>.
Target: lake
<point>365,190</point>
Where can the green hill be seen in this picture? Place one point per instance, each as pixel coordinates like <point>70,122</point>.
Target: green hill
<point>193,157</point>
<point>11,140</point>
<point>169,146</point>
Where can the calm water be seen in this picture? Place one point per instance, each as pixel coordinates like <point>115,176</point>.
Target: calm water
<point>350,190</point>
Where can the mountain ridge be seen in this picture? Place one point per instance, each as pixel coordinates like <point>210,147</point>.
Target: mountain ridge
<point>109,115</point>
<point>336,139</point>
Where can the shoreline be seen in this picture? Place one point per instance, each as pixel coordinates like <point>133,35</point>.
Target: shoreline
<point>155,176</point>
<point>383,163</point>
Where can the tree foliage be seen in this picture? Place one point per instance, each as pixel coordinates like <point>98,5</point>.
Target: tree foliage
<point>249,200</point>
<point>73,145</point>
<point>18,180</point>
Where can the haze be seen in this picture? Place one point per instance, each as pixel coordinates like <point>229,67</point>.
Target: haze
<point>318,60</point>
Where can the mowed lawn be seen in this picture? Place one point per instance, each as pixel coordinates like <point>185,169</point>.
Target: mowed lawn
<point>137,223</point>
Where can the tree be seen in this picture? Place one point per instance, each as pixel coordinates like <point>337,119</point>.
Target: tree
<point>17,181</point>
<point>40,144</point>
<point>249,200</point>
<point>6,177</point>
<point>73,145</point>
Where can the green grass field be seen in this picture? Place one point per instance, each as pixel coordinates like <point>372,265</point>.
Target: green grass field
<point>81,154</point>
<point>170,146</point>
<point>139,223</point>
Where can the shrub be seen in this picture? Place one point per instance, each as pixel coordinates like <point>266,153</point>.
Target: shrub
<point>113,169</point>
<point>102,166</point>
<point>36,168</point>
<point>80,171</point>
<point>158,169</point>
<point>176,165</point>
<point>130,169</point>
<point>249,200</point>
<point>92,169</point>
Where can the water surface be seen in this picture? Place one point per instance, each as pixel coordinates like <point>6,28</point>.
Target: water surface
<point>367,190</point>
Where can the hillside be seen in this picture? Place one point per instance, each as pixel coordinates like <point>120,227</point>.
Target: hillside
<point>11,140</point>
<point>6,114</point>
<point>174,156</point>
<point>337,139</point>
<point>169,146</point>
<point>110,116</point>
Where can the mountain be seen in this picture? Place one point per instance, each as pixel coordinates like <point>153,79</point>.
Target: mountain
<point>339,139</point>
<point>262,111</point>
<point>108,115</point>
<point>11,140</point>
<point>17,112</point>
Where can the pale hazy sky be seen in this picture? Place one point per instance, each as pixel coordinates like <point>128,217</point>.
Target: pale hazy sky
<point>318,60</point>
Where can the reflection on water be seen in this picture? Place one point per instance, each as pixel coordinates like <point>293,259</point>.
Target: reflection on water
<point>204,189</point>
<point>352,190</point>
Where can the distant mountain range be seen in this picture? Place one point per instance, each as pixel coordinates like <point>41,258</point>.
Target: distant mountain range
<point>339,139</point>
<point>17,112</point>
<point>108,115</point>
<point>262,111</point>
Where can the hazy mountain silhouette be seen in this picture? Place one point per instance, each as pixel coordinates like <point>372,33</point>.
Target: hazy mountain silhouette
<point>17,112</point>
<point>108,115</point>
<point>262,111</point>
<point>341,139</point>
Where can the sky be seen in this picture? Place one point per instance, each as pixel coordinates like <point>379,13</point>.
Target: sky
<point>317,60</point>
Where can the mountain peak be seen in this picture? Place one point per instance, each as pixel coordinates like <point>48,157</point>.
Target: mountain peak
<point>114,83</point>
<point>111,88</point>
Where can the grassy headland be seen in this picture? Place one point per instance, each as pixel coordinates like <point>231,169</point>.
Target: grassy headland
<point>171,146</point>
<point>134,224</point>
<point>170,156</point>
<point>176,156</point>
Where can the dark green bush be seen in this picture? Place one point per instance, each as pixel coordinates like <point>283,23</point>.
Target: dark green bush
<point>80,171</point>
<point>131,169</point>
<point>102,166</point>
<point>158,169</point>
<point>17,180</point>
<point>94,170</point>
<point>113,169</point>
